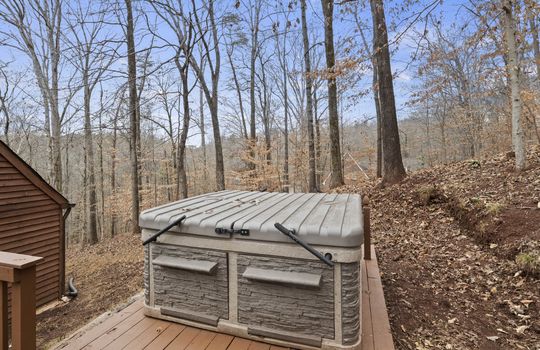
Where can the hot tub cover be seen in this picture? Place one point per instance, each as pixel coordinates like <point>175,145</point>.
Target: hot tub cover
<point>317,218</point>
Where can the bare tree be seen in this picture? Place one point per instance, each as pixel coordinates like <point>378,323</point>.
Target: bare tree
<point>374,87</point>
<point>36,31</point>
<point>312,181</point>
<point>183,69</point>
<point>393,170</point>
<point>134,118</point>
<point>9,90</point>
<point>254,23</point>
<point>213,59</point>
<point>230,47</point>
<point>514,73</point>
<point>336,178</point>
<point>200,20</point>
<point>91,58</point>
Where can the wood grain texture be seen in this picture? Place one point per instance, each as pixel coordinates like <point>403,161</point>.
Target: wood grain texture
<point>130,329</point>
<point>31,222</point>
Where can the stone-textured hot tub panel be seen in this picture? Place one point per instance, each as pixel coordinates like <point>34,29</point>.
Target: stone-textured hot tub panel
<point>350,302</point>
<point>286,307</point>
<point>186,290</point>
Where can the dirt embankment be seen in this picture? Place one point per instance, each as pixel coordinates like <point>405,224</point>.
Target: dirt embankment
<point>458,246</point>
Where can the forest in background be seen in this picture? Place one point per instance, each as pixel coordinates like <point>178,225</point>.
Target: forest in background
<point>126,105</point>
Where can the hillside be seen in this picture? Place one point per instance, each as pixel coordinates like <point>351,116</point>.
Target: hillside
<point>448,239</point>
<point>459,250</point>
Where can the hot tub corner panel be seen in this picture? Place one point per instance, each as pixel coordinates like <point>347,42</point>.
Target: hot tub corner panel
<point>350,303</point>
<point>146,275</point>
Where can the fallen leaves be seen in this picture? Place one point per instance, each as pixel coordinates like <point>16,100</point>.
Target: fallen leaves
<point>522,329</point>
<point>443,285</point>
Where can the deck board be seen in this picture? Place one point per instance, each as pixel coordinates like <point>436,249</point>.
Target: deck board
<point>184,339</point>
<point>239,344</point>
<point>220,342</point>
<point>376,332</point>
<point>166,337</point>
<point>146,337</point>
<point>90,332</point>
<point>129,328</point>
<point>367,326</point>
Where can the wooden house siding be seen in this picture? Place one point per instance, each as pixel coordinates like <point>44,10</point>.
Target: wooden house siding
<point>31,222</point>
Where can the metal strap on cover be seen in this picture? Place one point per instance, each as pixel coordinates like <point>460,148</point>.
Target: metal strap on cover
<point>155,236</point>
<point>292,235</point>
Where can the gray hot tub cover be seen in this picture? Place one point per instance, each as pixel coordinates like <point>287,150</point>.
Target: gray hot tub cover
<point>318,218</point>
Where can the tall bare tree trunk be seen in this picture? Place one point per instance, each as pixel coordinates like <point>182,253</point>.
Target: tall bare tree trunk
<point>182,176</point>
<point>375,91</point>
<point>286,134</point>
<point>513,70</point>
<point>318,167</point>
<point>393,170</point>
<point>102,215</point>
<point>91,233</point>
<point>53,34</point>
<point>284,66</point>
<point>113,167</point>
<point>4,109</point>
<point>265,101</point>
<point>312,181</point>
<point>238,94</point>
<point>134,128</point>
<point>211,47</point>
<point>336,178</point>
<point>536,43</point>
<point>203,136</point>
<point>253,61</point>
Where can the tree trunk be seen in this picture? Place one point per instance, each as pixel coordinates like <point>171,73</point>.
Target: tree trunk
<point>3,109</point>
<point>220,168</point>
<point>203,137</point>
<point>393,170</point>
<point>239,95</point>
<point>312,181</point>
<point>101,174</point>
<point>513,70</point>
<point>132,86</point>
<point>375,91</point>
<point>336,178</point>
<point>284,67</point>
<point>535,44</point>
<point>113,169</point>
<point>252,123</point>
<point>182,177</point>
<point>212,95</point>
<point>91,233</point>
<point>318,168</point>
<point>54,48</point>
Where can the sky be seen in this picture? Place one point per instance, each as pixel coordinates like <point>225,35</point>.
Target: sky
<point>402,64</point>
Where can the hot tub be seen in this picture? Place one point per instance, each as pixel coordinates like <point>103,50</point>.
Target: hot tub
<point>224,265</point>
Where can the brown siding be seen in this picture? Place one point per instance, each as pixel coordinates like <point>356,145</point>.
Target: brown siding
<point>30,223</point>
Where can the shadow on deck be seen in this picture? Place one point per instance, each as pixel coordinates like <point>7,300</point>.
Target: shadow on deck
<point>130,329</point>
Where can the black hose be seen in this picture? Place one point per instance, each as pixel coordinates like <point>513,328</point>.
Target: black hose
<point>72,291</point>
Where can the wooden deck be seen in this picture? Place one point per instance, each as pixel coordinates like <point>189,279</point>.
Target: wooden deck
<point>376,332</point>
<point>130,329</point>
